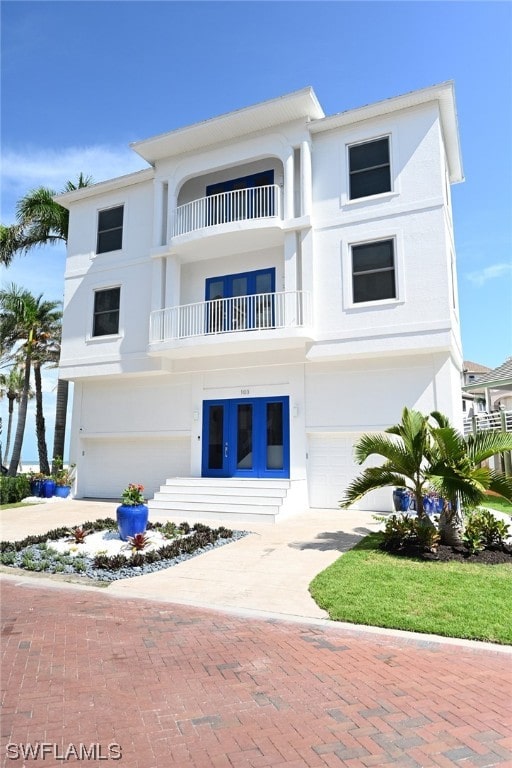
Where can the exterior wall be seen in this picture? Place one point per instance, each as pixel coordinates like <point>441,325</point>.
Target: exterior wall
<point>86,271</point>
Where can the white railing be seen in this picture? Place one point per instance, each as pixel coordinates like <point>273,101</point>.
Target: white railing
<point>262,311</point>
<point>483,422</point>
<point>238,205</point>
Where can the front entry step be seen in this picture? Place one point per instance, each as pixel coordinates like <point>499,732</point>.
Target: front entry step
<point>221,501</point>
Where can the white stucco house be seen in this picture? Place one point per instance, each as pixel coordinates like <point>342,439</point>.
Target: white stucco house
<point>276,283</point>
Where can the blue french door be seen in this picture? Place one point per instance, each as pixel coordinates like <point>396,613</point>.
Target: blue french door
<point>248,437</point>
<point>241,313</point>
<point>246,202</point>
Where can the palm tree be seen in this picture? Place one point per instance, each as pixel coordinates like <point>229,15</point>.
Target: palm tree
<point>457,472</point>
<point>46,351</point>
<point>11,385</point>
<point>42,221</point>
<point>433,456</point>
<point>22,319</point>
<point>405,456</point>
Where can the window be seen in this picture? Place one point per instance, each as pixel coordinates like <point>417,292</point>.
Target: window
<point>369,168</point>
<point>373,271</point>
<point>110,230</point>
<point>106,312</point>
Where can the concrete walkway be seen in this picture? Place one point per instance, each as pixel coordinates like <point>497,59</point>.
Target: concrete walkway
<point>269,570</point>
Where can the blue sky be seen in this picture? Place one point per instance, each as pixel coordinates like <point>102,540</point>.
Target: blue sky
<point>81,80</point>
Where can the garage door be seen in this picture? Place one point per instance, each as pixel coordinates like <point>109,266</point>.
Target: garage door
<point>331,467</point>
<point>107,466</point>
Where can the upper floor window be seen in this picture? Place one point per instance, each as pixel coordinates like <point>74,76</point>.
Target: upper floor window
<point>106,312</point>
<point>373,271</point>
<point>110,230</point>
<point>369,168</point>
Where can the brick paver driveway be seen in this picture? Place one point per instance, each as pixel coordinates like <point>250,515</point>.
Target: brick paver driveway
<point>180,686</point>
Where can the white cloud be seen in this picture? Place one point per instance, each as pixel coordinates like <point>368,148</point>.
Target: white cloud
<point>35,167</point>
<point>481,276</point>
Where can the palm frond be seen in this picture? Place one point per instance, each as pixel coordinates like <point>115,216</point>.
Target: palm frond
<point>370,480</point>
<point>483,445</point>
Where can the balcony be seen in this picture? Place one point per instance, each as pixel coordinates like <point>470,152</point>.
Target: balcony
<point>240,323</point>
<point>487,422</point>
<point>226,207</point>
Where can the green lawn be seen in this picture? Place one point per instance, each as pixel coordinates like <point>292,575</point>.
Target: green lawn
<point>501,505</point>
<point>370,586</point>
<point>13,505</point>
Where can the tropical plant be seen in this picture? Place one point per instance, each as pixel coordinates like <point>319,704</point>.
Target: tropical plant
<point>138,542</point>
<point>457,471</point>
<point>133,495</point>
<point>61,474</point>
<point>405,463</point>
<point>46,351</point>
<point>79,534</point>
<point>427,453</point>
<point>41,221</point>
<point>484,531</point>
<point>23,320</point>
<point>11,385</point>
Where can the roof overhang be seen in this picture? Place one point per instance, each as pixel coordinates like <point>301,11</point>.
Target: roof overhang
<point>299,105</point>
<point>444,94</point>
<point>104,187</point>
<point>501,383</point>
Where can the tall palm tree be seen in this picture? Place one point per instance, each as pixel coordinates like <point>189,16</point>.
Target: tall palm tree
<point>46,351</point>
<point>405,463</point>
<point>42,221</point>
<point>11,385</point>
<point>22,318</point>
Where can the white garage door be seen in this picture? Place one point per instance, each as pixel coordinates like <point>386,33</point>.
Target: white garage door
<point>109,465</point>
<point>331,467</point>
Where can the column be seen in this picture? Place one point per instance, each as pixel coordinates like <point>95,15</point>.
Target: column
<point>288,185</point>
<point>158,195</point>
<point>306,179</point>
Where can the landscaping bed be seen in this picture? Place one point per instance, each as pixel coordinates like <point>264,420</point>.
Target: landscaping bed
<point>64,551</point>
<point>447,554</point>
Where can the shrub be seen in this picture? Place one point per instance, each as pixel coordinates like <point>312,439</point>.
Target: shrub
<point>14,489</point>
<point>484,531</point>
<point>402,531</point>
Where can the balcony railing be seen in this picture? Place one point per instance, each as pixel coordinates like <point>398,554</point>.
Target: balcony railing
<point>237,205</point>
<point>484,422</point>
<point>260,312</point>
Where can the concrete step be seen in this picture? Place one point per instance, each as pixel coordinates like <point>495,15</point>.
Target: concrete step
<point>220,500</point>
<point>227,482</point>
<point>218,497</point>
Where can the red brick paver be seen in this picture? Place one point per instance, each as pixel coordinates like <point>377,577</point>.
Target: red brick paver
<point>180,686</point>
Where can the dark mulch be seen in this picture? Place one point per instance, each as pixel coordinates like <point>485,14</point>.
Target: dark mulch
<point>446,554</point>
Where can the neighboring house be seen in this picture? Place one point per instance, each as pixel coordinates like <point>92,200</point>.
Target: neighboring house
<point>473,402</point>
<point>275,284</point>
<point>493,387</point>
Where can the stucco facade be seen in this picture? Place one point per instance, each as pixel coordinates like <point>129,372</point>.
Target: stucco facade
<point>261,305</point>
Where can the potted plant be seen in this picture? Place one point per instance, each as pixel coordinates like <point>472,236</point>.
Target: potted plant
<point>36,483</point>
<point>48,486</point>
<point>132,514</point>
<point>63,478</point>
